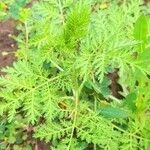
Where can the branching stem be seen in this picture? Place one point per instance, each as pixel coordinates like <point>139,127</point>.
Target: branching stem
<point>76,98</point>
<point>131,134</point>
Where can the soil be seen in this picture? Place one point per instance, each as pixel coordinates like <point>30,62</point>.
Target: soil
<point>115,87</point>
<point>7,43</point>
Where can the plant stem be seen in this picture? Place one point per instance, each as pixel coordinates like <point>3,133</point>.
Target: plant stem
<point>26,35</point>
<point>26,39</point>
<point>131,134</point>
<point>76,97</point>
<point>95,104</point>
<point>94,146</point>
<point>57,66</point>
<point>95,108</point>
<point>82,85</point>
<point>61,11</point>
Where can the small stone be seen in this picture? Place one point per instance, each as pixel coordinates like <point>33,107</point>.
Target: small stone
<point>4,53</point>
<point>12,45</point>
<point>9,35</point>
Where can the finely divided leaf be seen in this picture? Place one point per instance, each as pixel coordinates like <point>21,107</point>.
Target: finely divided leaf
<point>76,24</point>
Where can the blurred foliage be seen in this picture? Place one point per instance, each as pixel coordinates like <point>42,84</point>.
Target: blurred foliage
<point>12,8</point>
<point>59,87</point>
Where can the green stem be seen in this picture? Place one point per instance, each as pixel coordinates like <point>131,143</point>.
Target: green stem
<point>95,108</point>
<point>82,85</point>
<point>26,35</point>
<point>61,12</point>
<point>94,146</point>
<point>76,97</point>
<point>95,104</point>
<point>26,39</point>
<point>57,66</point>
<point>130,134</point>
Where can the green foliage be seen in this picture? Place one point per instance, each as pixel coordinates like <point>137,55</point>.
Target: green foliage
<point>12,8</point>
<point>130,101</point>
<point>76,24</point>
<point>60,83</point>
<point>12,133</point>
<point>112,112</point>
<point>141,31</point>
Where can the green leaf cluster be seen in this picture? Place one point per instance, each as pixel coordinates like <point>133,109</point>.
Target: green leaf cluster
<point>60,85</point>
<point>12,8</point>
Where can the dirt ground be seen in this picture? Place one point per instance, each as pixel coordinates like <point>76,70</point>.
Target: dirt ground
<point>7,43</point>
